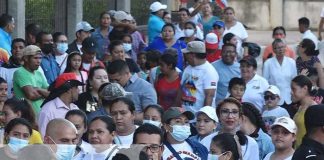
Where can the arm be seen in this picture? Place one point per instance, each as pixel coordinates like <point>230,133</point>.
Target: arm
<point>320,72</point>
<point>209,95</point>
<point>32,92</point>
<point>43,92</point>
<point>320,28</point>
<point>131,28</point>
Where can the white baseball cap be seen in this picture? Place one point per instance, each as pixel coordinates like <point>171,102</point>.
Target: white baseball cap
<point>287,123</point>
<point>121,15</point>
<point>209,111</point>
<point>274,90</point>
<point>85,26</point>
<point>195,47</point>
<point>156,6</point>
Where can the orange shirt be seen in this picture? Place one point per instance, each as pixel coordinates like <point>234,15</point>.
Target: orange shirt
<point>269,51</point>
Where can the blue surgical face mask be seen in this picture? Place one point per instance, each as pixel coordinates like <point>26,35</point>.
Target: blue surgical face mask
<point>16,144</point>
<point>155,123</point>
<point>180,132</point>
<point>62,47</point>
<point>64,151</point>
<point>214,156</point>
<point>127,47</point>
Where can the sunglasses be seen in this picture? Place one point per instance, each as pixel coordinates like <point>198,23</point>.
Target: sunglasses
<point>272,97</point>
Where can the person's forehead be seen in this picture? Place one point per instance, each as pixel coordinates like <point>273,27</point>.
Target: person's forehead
<point>65,132</point>
<point>145,138</point>
<point>229,48</point>
<point>119,106</point>
<point>75,119</point>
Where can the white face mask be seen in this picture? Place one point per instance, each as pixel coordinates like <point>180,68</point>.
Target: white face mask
<point>155,123</point>
<point>189,32</point>
<point>62,47</point>
<point>127,47</point>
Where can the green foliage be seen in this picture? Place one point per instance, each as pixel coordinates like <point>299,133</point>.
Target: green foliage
<point>140,10</point>
<point>41,12</point>
<point>92,10</point>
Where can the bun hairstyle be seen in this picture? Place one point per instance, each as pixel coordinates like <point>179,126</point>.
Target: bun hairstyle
<point>254,115</point>
<point>309,46</point>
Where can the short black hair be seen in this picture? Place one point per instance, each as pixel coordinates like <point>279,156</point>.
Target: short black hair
<point>77,112</point>
<point>40,35</point>
<point>304,21</point>
<point>56,35</point>
<point>153,56</point>
<point>117,66</point>
<point>110,124</point>
<point>148,129</point>
<point>169,25</point>
<point>279,28</point>
<point>33,29</point>
<point>236,81</point>
<point>18,121</point>
<point>185,10</point>
<point>130,104</point>
<point>168,59</point>
<point>16,40</point>
<point>113,44</point>
<point>5,19</point>
<point>227,37</point>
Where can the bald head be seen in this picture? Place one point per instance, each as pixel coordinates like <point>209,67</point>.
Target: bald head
<point>61,131</point>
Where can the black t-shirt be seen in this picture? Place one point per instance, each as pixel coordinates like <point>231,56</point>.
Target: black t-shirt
<point>86,102</point>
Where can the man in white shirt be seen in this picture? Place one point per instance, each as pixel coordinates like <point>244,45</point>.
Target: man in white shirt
<point>321,25</point>
<point>303,24</point>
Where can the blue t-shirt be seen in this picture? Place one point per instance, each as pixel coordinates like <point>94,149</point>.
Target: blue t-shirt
<point>5,41</point>
<point>155,24</point>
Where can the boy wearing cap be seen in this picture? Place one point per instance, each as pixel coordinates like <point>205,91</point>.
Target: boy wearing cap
<point>155,22</point>
<point>283,135</point>
<point>272,108</point>
<point>64,91</point>
<point>177,128</point>
<point>89,49</point>
<point>219,27</point>
<point>211,42</point>
<point>82,31</point>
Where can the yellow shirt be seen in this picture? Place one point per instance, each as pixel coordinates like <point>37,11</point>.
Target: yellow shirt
<point>35,138</point>
<point>301,129</point>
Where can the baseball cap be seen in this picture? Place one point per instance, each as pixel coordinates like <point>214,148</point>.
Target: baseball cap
<point>112,91</point>
<point>195,47</point>
<point>89,44</point>
<point>249,60</point>
<point>209,111</point>
<point>314,116</point>
<point>273,89</point>
<point>156,6</point>
<point>31,50</point>
<point>121,15</point>
<point>211,41</point>
<point>174,112</point>
<point>85,26</point>
<point>219,24</point>
<point>287,123</point>
<point>65,78</point>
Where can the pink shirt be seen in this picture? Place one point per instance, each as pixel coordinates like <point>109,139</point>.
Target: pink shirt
<point>51,110</point>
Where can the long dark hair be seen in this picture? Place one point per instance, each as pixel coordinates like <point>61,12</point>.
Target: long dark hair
<point>254,115</point>
<point>69,60</point>
<point>309,46</point>
<point>226,142</point>
<point>302,81</point>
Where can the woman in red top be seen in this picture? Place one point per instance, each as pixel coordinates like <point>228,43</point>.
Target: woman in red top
<point>168,82</point>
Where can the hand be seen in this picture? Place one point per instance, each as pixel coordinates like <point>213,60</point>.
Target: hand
<point>304,72</point>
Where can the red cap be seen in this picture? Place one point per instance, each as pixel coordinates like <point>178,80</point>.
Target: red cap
<point>66,77</point>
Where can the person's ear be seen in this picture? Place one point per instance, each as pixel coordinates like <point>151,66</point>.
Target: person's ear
<point>167,127</point>
<point>228,155</point>
<point>18,114</point>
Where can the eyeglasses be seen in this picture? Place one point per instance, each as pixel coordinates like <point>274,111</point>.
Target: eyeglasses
<point>226,113</point>
<point>272,97</point>
<point>153,148</point>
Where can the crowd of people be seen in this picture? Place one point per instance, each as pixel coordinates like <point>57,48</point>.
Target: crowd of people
<point>190,91</point>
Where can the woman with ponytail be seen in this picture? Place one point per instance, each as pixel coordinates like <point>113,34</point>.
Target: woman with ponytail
<point>253,125</point>
<point>307,55</point>
<point>21,108</point>
<point>230,114</point>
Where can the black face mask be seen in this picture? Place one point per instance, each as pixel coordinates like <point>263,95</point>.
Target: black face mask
<point>47,48</point>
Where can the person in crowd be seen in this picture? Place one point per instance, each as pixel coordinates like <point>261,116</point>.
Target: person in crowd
<point>189,33</point>
<point>89,51</point>
<point>207,18</point>
<point>101,34</point>
<point>143,65</point>
<point>127,40</point>
<point>143,93</point>
<point>230,113</point>
<point>153,115</point>
<point>236,88</point>
<point>232,25</point>
<point>17,133</point>
<point>176,139</point>
<point>278,32</point>
<point>230,38</point>
<point>224,146</point>
<point>88,101</point>
<point>312,145</point>
<point>117,52</point>
<point>151,137</point>
<point>122,111</point>
<point>168,82</point>
<point>122,25</point>
<point>60,48</point>
<point>3,92</point>
<point>79,119</point>
<point>73,65</point>
<point>301,87</point>
<point>308,55</point>
<point>186,28</point>
<point>155,21</point>
<point>21,108</point>
<point>49,65</point>
<point>316,75</point>
<point>206,126</point>
<point>272,108</point>
<point>7,26</point>
<point>199,82</point>
<point>283,135</point>
<point>138,40</point>
<point>31,31</point>
<point>211,42</point>
<point>28,80</point>
<point>17,47</point>
<point>303,25</point>
<point>82,31</point>
<point>43,152</point>
<point>228,68</point>
<point>61,136</point>
<point>253,125</point>
<point>255,84</point>
<point>101,133</point>
<point>166,17</point>
<point>280,70</point>
<point>167,40</point>
<point>321,24</point>
<point>63,93</point>
<point>219,27</point>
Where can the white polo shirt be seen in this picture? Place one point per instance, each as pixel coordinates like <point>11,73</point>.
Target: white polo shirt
<point>309,35</point>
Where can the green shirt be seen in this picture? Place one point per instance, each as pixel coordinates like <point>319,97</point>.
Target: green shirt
<point>22,78</point>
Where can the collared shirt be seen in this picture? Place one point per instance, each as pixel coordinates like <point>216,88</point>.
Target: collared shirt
<point>155,24</point>
<point>51,110</point>
<point>309,35</point>
<point>143,93</point>
<point>227,72</point>
<point>102,41</point>
<point>254,92</point>
<point>5,40</point>
<point>50,68</point>
<point>309,150</point>
<point>280,75</point>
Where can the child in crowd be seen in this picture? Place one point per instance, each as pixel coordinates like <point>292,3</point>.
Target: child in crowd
<point>219,27</point>
<point>236,88</point>
<point>143,65</point>
<point>211,42</point>
<point>273,110</point>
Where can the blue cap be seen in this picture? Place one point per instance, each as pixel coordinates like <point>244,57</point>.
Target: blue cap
<point>219,24</point>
